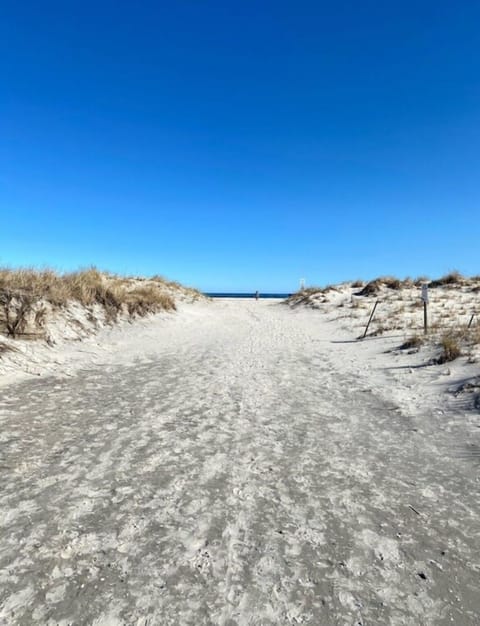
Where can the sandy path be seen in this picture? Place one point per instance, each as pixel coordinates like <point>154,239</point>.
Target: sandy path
<point>228,471</point>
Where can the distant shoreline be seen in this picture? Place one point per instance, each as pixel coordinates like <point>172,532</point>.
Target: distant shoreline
<point>281,296</point>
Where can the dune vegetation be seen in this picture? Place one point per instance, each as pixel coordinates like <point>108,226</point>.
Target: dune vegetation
<point>453,310</point>
<point>28,297</point>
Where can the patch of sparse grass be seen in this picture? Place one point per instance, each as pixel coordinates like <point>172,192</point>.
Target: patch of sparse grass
<point>391,282</point>
<point>452,278</point>
<point>356,303</point>
<point>420,280</point>
<point>148,299</point>
<point>451,349</point>
<point>310,296</point>
<point>415,341</point>
<point>195,294</point>
<point>308,291</point>
<point>379,330</point>
<point>474,335</point>
<point>374,286</point>
<point>370,289</point>
<point>303,296</point>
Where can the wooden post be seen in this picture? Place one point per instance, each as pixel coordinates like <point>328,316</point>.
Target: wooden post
<point>425,304</point>
<point>471,320</point>
<point>371,317</point>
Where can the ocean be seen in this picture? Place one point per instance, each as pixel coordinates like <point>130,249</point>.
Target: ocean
<point>247,295</point>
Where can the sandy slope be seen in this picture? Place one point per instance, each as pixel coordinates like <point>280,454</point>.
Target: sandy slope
<point>232,465</point>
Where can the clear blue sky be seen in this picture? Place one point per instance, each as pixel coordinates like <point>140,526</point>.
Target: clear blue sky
<point>241,145</point>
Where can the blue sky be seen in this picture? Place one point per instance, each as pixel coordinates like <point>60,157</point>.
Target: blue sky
<point>241,145</point>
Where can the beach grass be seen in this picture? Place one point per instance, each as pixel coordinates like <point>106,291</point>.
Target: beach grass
<point>27,294</point>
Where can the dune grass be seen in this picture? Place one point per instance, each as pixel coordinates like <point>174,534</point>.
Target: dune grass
<point>25,294</point>
<point>452,278</point>
<point>453,322</point>
<point>451,348</point>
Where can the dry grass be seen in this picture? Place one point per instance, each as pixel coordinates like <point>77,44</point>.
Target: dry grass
<point>374,287</point>
<point>450,311</point>
<point>415,341</point>
<point>87,287</point>
<point>5,347</point>
<point>391,282</point>
<point>195,294</point>
<point>144,300</point>
<point>475,337</point>
<point>370,289</point>
<point>451,349</point>
<point>418,282</point>
<point>306,291</point>
<point>452,278</point>
<point>25,292</point>
<point>311,296</point>
<point>357,284</point>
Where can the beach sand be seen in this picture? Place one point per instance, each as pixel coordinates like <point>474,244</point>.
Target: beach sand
<point>236,463</point>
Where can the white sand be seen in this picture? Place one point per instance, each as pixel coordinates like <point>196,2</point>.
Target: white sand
<point>236,463</point>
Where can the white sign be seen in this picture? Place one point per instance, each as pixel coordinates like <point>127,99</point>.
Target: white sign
<point>425,293</point>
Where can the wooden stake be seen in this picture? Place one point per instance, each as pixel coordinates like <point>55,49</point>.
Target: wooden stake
<point>371,317</point>
<point>425,321</point>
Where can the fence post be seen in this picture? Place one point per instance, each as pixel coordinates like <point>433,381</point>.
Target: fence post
<point>371,317</point>
<point>425,304</point>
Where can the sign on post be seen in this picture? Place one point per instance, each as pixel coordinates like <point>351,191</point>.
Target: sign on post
<point>425,293</point>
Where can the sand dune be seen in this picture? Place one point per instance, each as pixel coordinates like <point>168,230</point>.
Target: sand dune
<point>236,463</point>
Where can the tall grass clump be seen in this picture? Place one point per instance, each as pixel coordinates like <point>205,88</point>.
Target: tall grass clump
<point>143,300</point>
<point>451,349</point>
